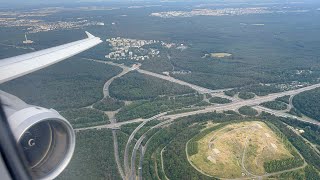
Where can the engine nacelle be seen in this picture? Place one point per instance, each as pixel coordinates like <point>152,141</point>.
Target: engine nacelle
<point>46,138</point>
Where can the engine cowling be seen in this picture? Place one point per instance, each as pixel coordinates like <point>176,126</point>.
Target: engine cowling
<point>46,138</point>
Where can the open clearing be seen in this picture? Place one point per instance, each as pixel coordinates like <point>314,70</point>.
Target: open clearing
<point>218,55</point>
<point>238,150</point>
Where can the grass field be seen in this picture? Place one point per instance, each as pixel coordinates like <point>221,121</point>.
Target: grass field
<point>237,150</point>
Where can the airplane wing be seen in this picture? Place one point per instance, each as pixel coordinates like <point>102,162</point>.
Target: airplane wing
<point>11,68</point>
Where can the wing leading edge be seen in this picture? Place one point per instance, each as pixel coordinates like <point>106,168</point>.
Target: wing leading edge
<point>14,67</point>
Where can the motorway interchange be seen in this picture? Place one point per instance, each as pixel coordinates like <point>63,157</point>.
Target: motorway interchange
<point>129,170</point>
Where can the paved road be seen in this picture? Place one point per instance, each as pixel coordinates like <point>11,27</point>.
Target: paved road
<point>201,90</point>
<point>125,70</point>
<point>126,151</point>
<point>283,114</point>
<point>313,146</point>
<point>251,102</point>
<point>137,146</point>
<point>231,106</point>
<point>116,153</point>
<point>133,157</point>
<point>111,126</point>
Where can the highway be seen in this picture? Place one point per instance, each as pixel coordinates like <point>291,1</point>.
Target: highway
<point>116,153</point>
<point>251,102</point>
<point>138,146</point>
<point>129,170</point>
<point>126,151</point>
<point>125,70</point>
<point>197,88</point>
<point>231,106</point>
<point>111,126</point>
<point>235,104</point>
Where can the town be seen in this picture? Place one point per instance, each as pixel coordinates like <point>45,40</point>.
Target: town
<point>213,12</point>
<point>135,49</point>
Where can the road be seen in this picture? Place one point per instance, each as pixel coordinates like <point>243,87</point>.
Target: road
<point>236,104</point>
<point>313,146</point>
<point>133,157</point>
<point>130,173</point>
<point>231,106</point>
<point>116,153</point>
<point>111,126</point>
<point>251,102</point>
<point>137,146</point>
<point>283,114</point>
<point>197,88</point>
<point>126,151</point>
<point>125,70</point>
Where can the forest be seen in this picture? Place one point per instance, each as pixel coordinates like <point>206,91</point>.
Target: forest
<point>70,84</point>
<point>108,104</point>
<point>85,117</point>
<point>247,111</point>
<point>295,112</point>
<point>219,100</point>
<point>165,136</point>
<point>308,103</point>
<point>136,86</point>
<point>311,157</point>
<point>275,105</point>
<point>93,157</point>
<point>284,99</point>
<point>149,108</point>
<point>246,95</point>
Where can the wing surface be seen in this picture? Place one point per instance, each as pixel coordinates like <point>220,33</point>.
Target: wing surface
<point>11,68</point>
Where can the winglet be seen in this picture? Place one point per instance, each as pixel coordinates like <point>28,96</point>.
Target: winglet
<point>89,35</point>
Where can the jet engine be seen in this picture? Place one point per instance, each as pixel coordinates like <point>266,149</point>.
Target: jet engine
<point>46,138</point>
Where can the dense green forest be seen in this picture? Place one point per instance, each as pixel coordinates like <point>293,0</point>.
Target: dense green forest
<point>295,112</point>
<point>108,104</point>
<point>230,93</point>
<point>248,111</point>
<point>246,95</point>
<point>85,117</point>
<point>311,157</point>
<point>275,105</point>
<point>174,138</point>
<point>136,86</point>
<point>176,165</point>
<point>93,157</point>
<point>260,89</point>
<point>311,131</point>
<point>178,133</point>
<point>284,99</point>
<point>219,100</point>
<point>283,164</point>
<point>122,139</point>
<point>284,50</point>
<point>149,108</point>
<point>308,103</point>
<point>73,83</point>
